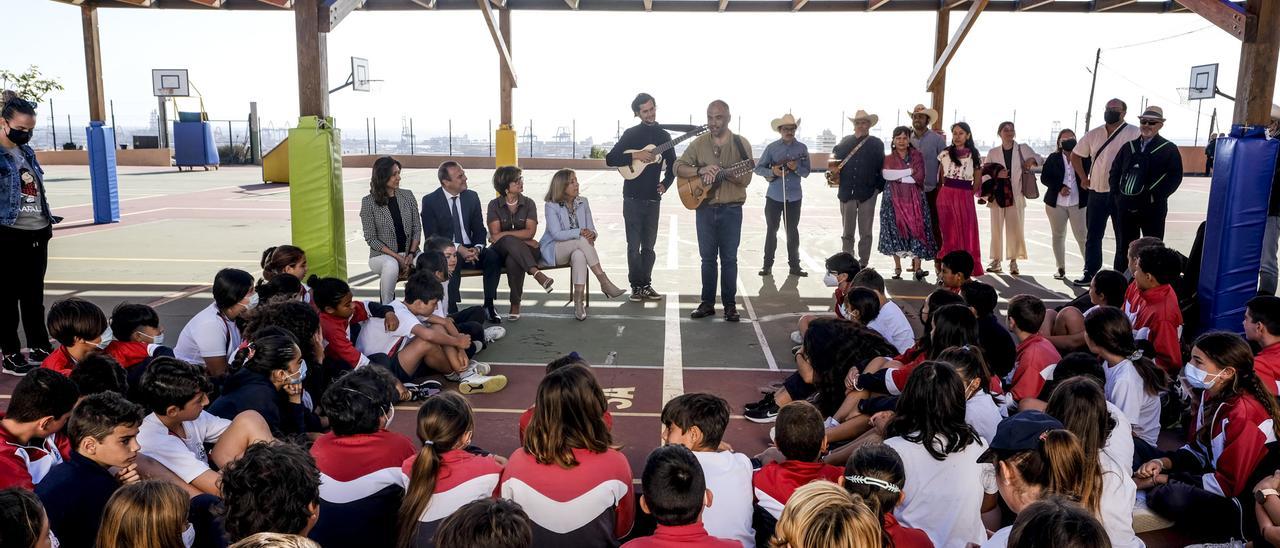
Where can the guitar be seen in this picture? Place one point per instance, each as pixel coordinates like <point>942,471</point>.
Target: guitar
<point>694,191</point>
<point>632,171</point>
<point>833,167</point>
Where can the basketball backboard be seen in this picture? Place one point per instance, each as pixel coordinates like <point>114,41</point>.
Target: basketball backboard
<point>170,83</point>
<point>1204,82</point>
<point>359,74</point>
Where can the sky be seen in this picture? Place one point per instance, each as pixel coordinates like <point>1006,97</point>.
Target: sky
<point>583,68</point>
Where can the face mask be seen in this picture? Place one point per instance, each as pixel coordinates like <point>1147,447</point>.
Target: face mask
<point>1198,378</point>
<point>302,374</point>
<point>189,536</point>
<point>1112,116</point>
<point>103,343</point>
<point>158,339</point>
<point>391,415</point>
<point>18,136</point>
<point>1069,145</point>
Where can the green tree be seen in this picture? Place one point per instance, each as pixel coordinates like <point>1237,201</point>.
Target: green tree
<point>30,85</point>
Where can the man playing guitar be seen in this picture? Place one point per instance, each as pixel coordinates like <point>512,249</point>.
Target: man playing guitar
<point>719,219</point>
<point>642,196</point>
<point>784,163</point>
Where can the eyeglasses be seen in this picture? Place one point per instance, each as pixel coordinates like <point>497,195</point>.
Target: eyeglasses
<point>1151,122</point>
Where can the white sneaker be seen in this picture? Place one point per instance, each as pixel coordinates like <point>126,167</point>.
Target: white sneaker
<point>797,338</point>
<point>830,280</point>
<point>493,333</point>
<point>473,368</point>
<point>482,384</point>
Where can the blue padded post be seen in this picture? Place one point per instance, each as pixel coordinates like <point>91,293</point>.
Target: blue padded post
<point>102,173</point>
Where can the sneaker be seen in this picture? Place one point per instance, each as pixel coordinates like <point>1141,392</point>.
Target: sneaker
<point>766,401</point>
<point>37,356</point>
<point>482,384</point>
<point>16,365</point>
<point>763,414</point>
<point>473,368</point>
<point>796,337</point>
<point>1083,281</point>
<point>423,390</point>
<point>650,294</point>
<point>493,333</point>
<point>637,295</point>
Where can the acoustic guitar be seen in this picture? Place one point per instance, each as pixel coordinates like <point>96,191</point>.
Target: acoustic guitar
<point>833,167</point>
<point>694,191</point>
<point>632,171</point>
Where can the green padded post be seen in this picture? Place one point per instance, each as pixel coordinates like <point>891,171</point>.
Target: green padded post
<point>315,195</point>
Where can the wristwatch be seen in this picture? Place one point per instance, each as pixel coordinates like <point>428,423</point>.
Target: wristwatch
<point>1262,494</point>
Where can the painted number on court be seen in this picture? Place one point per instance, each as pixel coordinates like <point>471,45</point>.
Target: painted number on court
<point>621,397</point>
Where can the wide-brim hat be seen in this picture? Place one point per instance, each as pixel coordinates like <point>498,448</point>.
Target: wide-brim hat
<point>1152,113</point>
<point>921,109</point>
<point>786,120</point>
<point>862,115</point>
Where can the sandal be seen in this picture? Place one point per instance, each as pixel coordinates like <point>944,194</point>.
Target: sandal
<point>994,268</point>
<point>1013,268</point>
<point>921,275</point>
<point>897,273</point>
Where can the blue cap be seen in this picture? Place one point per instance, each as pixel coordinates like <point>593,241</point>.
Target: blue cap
<point>1019,433</point>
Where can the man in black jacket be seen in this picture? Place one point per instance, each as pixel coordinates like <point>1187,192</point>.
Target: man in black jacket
<point>642,196</point>
<point>1146,171</point>
<point>860,181</point>
<point>453,212</point>
<point>1271,237</point>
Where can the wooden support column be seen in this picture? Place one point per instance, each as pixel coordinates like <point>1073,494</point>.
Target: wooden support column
<point>505,152</point>
<point>93,63</point>
<point>939,89</point>
<point>1256,84</point>
<point>504,74</point>
<point>313,67</point>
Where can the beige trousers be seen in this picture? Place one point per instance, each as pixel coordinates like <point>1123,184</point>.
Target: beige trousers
<point>580,254</point>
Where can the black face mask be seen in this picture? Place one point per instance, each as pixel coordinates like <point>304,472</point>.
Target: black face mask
<point>1069,145</point>
<point>18,136</point>
<point>1112,116</point>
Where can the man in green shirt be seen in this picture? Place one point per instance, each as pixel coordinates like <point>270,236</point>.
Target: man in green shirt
<point>719,218</point>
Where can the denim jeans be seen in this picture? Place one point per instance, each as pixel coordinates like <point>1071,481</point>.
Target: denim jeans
<point>1270,242</point>
<point>1097,215</point>
<point>719,232</point>
<point>640,217</point>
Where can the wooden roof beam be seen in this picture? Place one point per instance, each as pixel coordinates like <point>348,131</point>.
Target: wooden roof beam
<point>499,3</point>
<point>139,3</point>
<point>952,4</point>
<point>504,52</point>
<point>573,4</point>
<point>1108,5</point>
<point>723,4</point>
<point>874,5</point>
<point>428,4</point>
<point>332,12</point>
<point>956,39</point>
<point>795,4</point>
<point>209,3</point>
<point>1170,6</point>
<point>1234,22</point>
<point>1026,5</point>
<point>648,5</point>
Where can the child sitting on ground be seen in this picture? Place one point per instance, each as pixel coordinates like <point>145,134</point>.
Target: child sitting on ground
<point>800,438</point>
<point>430,342</point>
<point>98,373</point>
<point>1158,318</point>
<point>1262,327</point>
<point>890,322</point>
<point>994,338</point>
<point>443,467</point>
<point>841,269</point>
<point>340,317</point>
<point>78,326</point>
<point>875,474</point>
<point>698,421</point>
<point>676,494</point>
<point>492,523</point>
<point>1065,327</point>
<point>571,358</point>
<point>178,428</point>
<point>102,429</point>
<point>136,338</point>
<point>285,259</point>
<point>1035,353</point>
<point>955,270</point>
<point>30,428</point>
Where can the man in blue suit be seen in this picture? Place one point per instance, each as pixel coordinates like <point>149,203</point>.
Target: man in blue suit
<point>453,212</point>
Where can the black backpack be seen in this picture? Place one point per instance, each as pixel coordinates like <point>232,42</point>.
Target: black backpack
<point>1136,180</point>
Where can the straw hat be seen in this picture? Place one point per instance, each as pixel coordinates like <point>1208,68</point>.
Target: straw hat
<point>786,120</point>
<point>1152,113</point>
<point>920,109</point>
<point>862,115</point>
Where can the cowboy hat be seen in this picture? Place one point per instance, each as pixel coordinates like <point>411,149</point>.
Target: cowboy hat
<point>1152,113</point>
<point>920,109</point>
<point>786,120</point>
<point>862,115</point>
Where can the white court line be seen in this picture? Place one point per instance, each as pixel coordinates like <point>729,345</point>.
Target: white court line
<point>813,264</point>
<point>764,343</point>
<point>673,351</point>
<point>673,243</point>
<point>623,366</point>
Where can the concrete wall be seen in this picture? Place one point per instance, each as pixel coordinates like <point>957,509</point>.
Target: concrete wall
<point>131,157</point>
<point>422,161</point>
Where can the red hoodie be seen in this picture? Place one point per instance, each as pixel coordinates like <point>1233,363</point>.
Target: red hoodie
<point>25,464</point>
<point>337,332</point>
<point>671,536</point>
<point>1267,365</point>
<point>774,482</point>
<point>1158,319</point>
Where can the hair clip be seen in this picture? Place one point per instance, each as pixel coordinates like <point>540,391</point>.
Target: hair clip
<point>874,482</point>
<point>428,442</point>
<point>1137,355</point>
<point>1044,435</point>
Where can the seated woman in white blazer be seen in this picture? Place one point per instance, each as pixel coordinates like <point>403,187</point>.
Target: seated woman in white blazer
<point>570,238</point>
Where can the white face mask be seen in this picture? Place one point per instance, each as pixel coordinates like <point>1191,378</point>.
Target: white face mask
<point>1198,378</point>
<point>156,340</point>
<point>189,536</point>
<point>301,374</point>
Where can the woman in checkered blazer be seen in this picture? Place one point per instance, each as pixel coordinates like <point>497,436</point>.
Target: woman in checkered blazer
<point>392,228</point>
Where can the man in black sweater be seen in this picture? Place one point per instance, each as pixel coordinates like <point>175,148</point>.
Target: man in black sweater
<point>860,181</point>
<point>642,196</point>
<point>1146,171</point>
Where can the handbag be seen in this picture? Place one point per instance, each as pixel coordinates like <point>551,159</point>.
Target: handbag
<point>1030,188</point>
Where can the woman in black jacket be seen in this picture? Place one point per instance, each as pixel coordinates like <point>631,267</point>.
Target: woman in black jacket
<point>267,377</point>
<point>1063,201</point>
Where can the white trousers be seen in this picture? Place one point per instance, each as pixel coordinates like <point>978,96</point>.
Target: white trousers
<point>388,270</point>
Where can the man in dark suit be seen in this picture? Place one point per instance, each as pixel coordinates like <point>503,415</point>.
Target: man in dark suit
<point>453,212</point>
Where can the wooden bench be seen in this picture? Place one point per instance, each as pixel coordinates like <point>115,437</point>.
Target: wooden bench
<point>475,272</point>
